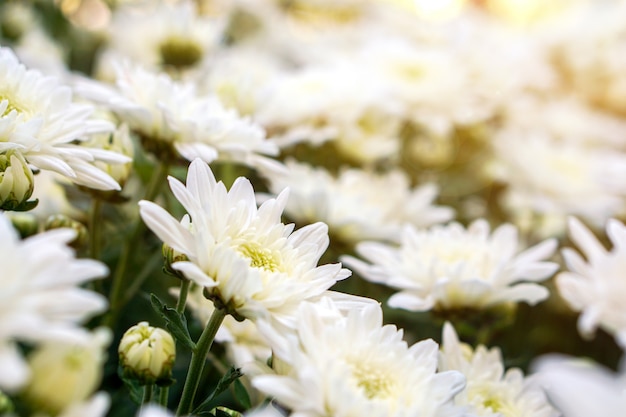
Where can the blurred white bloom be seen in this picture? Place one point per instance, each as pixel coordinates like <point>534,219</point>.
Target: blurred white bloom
<point>490,392</point>
<point>247,260</point>
<point>597,287</point>
<point>66,373</point>
<point>160,35</point>
<point>358,205</point>
<point>147,354</point>
<point>581,388</point>
<point>352,365</point>
<point>173,119</point>
<point>96,406</point>
<point>569,165</point>
<point>40,295</point>
<point>39,120</point>
<point>450,267</point>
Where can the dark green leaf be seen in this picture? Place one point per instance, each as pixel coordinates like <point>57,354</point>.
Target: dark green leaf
<point>176,323</point>
<point>241,394</point>
<point>229,377</point>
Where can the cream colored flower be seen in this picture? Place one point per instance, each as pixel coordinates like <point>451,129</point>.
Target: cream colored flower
<point>248,261</point>
<point>147,354</point>
<point>491,392</point>
<point>596,287</point>
<point>449,267</point>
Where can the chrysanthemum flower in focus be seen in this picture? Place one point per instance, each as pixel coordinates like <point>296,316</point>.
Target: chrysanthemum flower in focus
<point>40,297</point>
<point>248,261</point>
<point>351,365</point>
<point>596,287</point>
<point>450,267</point>
<point>491,392</point>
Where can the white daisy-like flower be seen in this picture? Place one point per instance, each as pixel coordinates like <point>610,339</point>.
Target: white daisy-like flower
<point>489,391</point>
<point>161,35</point>
<point>358,205</point>
<point>247,260</point>
<point>580,388</point>
<point>596,287</point>
<point>450,267</point>
<point>39,120</point>
<point>351,365</point>
<point>172,119</point>
<point>39,294</point>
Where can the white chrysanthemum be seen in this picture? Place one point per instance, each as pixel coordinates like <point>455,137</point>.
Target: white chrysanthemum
<point>558,176</point>
<point>39,293</point>
<point>248,261</point>
<point>172,118</point>
<point>580,388</point>
<point>351,365</point>
<point>359,205</point>
<point>39,120</point>
<point>161,35</point>
<point>489,391</point>
<point>96,406</point>
<point>596,287</point>
<point>450,267</point>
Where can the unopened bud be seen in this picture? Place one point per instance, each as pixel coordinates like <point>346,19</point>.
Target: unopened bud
<point>170,256</point>
<point>147,354</point>
<point>6,405</point>
<point>58,221</point>
<point>16,183</point>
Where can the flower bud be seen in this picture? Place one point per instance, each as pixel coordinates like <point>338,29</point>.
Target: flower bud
<point>16,182</point>
<point>147,354</point>
<point>64,374</point>
<point>57,221</point>
<point>6,405</point>
<point>170,255</point>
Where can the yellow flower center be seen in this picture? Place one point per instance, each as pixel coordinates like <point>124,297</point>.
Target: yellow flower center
<point>11,106</point>
<point>260,257</point>
<point>375,383</point>
<point>179,52</point>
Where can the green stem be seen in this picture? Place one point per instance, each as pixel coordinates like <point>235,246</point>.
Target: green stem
<point>198,359</point>
<point>182,297</point>
<point>116,301</point>
<point>163,396</point>
<point>147,393</point>
<point>95,228</point>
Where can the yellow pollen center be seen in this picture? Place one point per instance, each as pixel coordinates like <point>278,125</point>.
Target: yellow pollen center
<point>373,382</point>
<point>260,257</point>
<point>11,106</point>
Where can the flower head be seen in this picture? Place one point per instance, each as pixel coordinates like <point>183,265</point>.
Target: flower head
<point>40,297</point>
<point>490,391</point>
<point>147,353</point>
<point>349,364</point>
<point>596,287</point>
<point>449,267</point>
<point>248,260</point>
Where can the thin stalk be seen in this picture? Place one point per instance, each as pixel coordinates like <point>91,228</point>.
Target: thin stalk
<point>198,359</point>
<point>182,297</point>
<point>148,390</point>
<point>95,228</point>
<point>115,297</point>
<point>163,396</point>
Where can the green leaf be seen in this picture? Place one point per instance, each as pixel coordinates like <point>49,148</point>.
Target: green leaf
<point>228,378</point>
<point>176,323</point>
<point>241,394</point>
<point>133,387</point>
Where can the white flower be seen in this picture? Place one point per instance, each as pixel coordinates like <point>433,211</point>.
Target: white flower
<point>96,406</point>
<point>596,287</point>
<point>173,119</point>
<point>351,365</point>
<point>489,390</point>
<point>450,267</point>
<point>248,261</point>
<point>579,388</point>
<point>39,120</point>
<point>359,205</point>
<point>66,373</point>
<point>161,35</point>
<point>40,297</point>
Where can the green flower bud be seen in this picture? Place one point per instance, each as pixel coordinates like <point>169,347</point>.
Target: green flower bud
<point>170,256</point>
<point>6,405</point>
<point>25,223</point>
<point>58,221</point>
<point>147,354</point>
<point>16,182</point>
